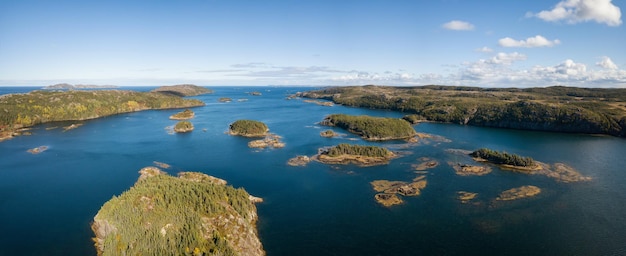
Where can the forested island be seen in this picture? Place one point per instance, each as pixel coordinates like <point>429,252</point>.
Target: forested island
<point>248,128</point>
<point>355,154</point>
<point>183,127</point>
<point>194,214</point>
<point>183,115</point>
<point>24,110</point>
<point>183,90</point>
<point>557,108</point>
<point>372,128</point>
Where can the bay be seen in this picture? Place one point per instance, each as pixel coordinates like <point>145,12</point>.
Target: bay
<point>48,200</point>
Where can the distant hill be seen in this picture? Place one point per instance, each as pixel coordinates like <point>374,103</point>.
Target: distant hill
<point>183,90</point>
<point>66,86</point>
<point>556,109</point>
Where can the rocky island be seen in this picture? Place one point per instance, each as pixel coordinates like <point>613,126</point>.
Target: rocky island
<point>28,109</point>
<point>328,134</point>
<point>354,154</point>
<point>388,190</point>
<point>556,108</point>
<point>183,90</point>
<point>518,193</point>
<point>183,115</point>
<point>194,214</point>
<point>372,128</point>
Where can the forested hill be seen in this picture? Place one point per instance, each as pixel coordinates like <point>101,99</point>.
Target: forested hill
<point>558,108</point>
<point>24,110</point>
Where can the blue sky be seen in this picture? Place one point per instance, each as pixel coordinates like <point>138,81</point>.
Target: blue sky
<point>213,42</point>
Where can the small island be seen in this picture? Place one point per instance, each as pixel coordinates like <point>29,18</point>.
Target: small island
<point>183,127</point>
<point>372,128</point>
<point>248,128</point>
<point>183,90</point>
<point>328,134</point>
<point>194,214</point>
<point>255,93</point>
<point>470,170</point>
<point>388,190</point>
<point>355,154</point>
<point>465,196</point>
<point>426,163</point>
<point>37,150</point>
<point>183,115</point>
<point>299,161</point>
<point>270,141</point>
<point>503,158</point>
<point>225,99</point>
<point>518,193</point>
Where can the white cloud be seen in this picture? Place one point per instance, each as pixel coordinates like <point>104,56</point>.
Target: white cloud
<point>606,63</point>
<point>575,11</point>
<point>458,25</point>
<point>536,41</point>
<point>484,49</point>
<point>506,58</point>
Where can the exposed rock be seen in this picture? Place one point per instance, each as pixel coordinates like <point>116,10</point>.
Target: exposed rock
<point>426,163</point>
<point>161,165</point>
<point>328,134</point>
<point>71,127</point>
<point>299,161</point>
<point>517,193</point>
<point>201,177</point>
<point>271,140</point>
<point>225,99</point>
<point>255,199</point>
<point>148,172</point>
<point>321,103</point>
<point>391,188</point>
<point>468,170</point>
<point>388,200</point>
<point>465,197</point>
<point>37,150</point>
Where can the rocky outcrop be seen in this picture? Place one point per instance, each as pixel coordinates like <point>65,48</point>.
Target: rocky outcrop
<point>470,170</point>
<point>299,161</point>
<point>183,115</point>
<point>270,141</point>
<point>391,189</point>
<point>518,193</point>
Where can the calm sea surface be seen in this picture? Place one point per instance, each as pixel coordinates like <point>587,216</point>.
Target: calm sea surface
<point>48,200</point>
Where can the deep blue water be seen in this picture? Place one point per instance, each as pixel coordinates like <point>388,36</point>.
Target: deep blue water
<point>48,200</point>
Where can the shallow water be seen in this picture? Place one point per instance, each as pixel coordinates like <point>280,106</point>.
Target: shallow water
<point>48,200</point>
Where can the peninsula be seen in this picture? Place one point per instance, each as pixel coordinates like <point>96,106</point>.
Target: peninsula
<point>194,214</point>
<point>24,110</point>
<point>557,108</point>
<point>372,128</point>
<point>183,90</point>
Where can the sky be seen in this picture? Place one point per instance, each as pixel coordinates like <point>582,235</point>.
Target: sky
<point>513,43</point>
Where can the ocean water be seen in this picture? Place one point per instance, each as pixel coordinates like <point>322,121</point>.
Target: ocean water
<point>48,200</point>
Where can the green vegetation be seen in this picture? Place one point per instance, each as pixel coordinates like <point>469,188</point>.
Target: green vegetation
<point>372,128</point>
<point>557,108</point>
<point>183,115</point>
<point>328,133</point>
<point>183,90</point>
<point>23,110</point>
<point>248,128</point>
<point>183,126</point>
<point>164,215</point>
<point>503,158</point>
<point>357,150</point>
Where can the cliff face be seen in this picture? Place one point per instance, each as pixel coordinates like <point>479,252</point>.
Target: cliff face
<point>194,214</point>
